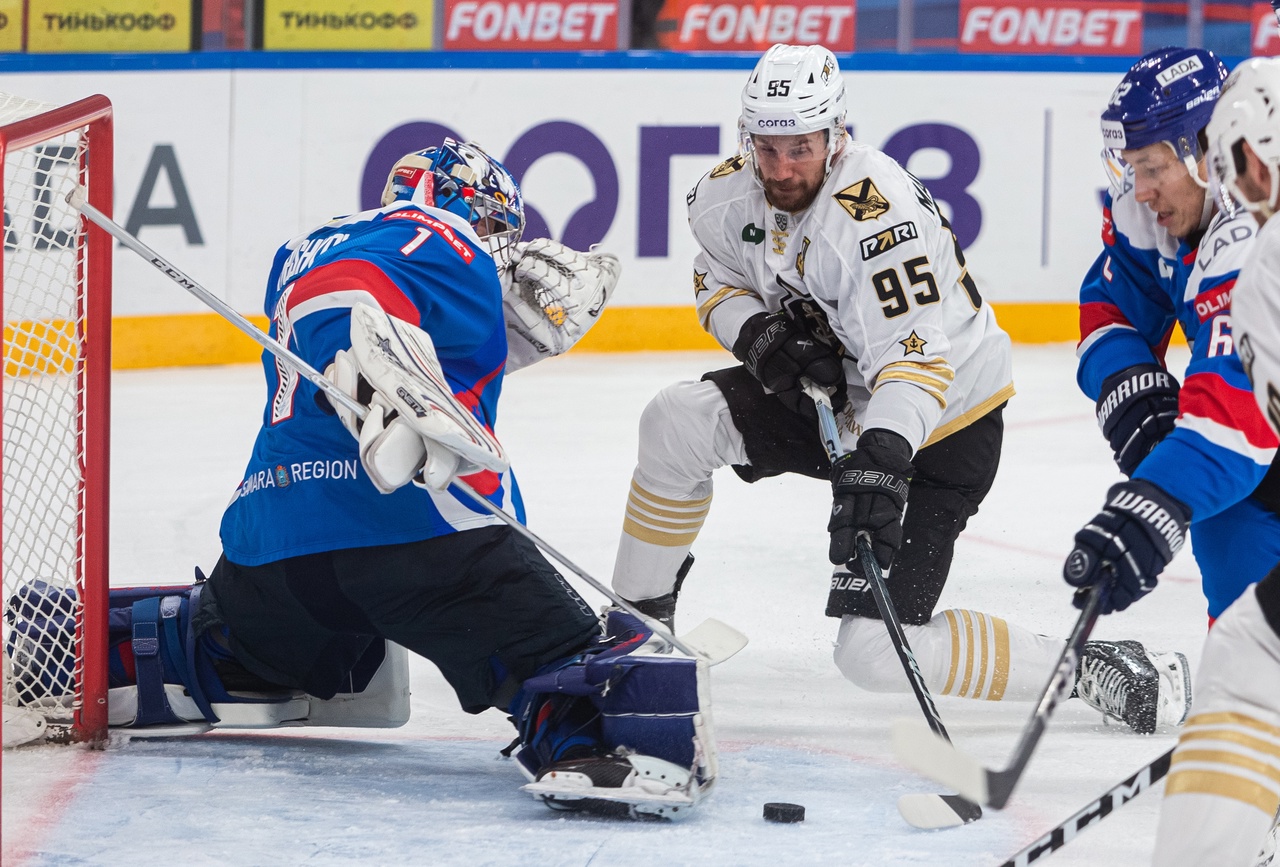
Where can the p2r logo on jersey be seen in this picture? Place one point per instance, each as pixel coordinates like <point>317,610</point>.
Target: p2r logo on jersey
<point>887,240</point>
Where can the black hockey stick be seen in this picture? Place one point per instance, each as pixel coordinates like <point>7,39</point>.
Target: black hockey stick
<point>1095,811</point>
<point>936,758</point>
<point>921,810</point>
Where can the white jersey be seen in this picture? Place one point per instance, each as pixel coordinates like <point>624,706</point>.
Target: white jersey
<point>872,264</point>
<point>1255,320</point>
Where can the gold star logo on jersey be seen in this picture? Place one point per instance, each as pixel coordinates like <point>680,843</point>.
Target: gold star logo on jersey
<point>913,344</point>
<point>728,167</point>
<point>862,200</point>
<point>699,283</point>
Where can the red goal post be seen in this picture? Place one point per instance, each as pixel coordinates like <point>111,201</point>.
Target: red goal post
<point>56,279</point>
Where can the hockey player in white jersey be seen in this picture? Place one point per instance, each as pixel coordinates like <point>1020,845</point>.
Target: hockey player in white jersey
<point>823,259</point>
<point>1224,782</point>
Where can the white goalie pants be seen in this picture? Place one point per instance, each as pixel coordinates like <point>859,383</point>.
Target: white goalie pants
<point>686,433</point>
<point>1224,781</point>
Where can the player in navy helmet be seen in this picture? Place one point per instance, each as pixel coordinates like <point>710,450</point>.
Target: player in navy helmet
<point>1196,454</point>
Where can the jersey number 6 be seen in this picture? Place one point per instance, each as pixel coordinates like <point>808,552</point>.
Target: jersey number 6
<point>891,292</point>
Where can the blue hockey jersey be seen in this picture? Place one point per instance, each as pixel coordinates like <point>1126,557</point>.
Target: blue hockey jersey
<point>304,490</point>
<point>1140,285</point>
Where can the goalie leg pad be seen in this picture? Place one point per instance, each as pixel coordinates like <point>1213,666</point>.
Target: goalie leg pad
<point>641,714</point>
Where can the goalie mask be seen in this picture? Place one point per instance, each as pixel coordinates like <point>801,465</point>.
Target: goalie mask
<point>795,89</point>
<point>1167,96</point>
<point>1247,112</point>
<point>464,180</point>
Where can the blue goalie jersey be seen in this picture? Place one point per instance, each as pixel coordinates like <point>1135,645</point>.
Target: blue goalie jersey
<point>304,490</point>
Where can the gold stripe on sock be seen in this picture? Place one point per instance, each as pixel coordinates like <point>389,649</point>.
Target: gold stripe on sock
<point>657,537</point>
<point>692,522</point>
<point>636,490</point>
<point>1232,737</point>
<point>1000,678</point>
<point>1227,757</point>
<point>968,656</point>
<point>955,650</point>
<point>1230,718</point>
<point>985,656</point>
<point>1223,786</point>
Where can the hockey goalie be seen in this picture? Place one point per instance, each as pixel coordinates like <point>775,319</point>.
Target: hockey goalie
<point>348,543</point>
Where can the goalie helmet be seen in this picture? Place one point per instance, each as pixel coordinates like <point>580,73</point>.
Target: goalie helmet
<point>1247,111</point>
<point>794,89</point>
<point>1167,96</point>
<point>464,180</point>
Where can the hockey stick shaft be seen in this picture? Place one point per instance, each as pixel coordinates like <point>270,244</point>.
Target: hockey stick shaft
<point>1001,783</point>
<point>1095,811</point>
<point>875,578</point>
<point>320,381</point>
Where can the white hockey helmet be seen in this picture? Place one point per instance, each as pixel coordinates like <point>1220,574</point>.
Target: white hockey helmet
<point>794,89</point>
<point>1247,111</point>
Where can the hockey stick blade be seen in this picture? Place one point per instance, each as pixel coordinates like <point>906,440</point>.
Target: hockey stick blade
<point>714,640</point>
<point>930,812</point>
<point>936,758</point>
<point>1095,811</point>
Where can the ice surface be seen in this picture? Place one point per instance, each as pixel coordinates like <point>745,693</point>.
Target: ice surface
<point>790,727</point>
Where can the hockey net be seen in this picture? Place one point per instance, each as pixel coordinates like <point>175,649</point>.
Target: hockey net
<point>57,325</point>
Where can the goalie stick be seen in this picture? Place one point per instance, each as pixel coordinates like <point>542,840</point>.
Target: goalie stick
<point>937,758</point>
<point>712,641</point>
<point>928,811</point>
<point>1095,811</point>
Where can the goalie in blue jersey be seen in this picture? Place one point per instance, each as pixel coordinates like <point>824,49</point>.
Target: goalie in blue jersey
<point>346,542</point>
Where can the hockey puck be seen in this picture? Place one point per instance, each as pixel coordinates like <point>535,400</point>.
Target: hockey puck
<point>778,812</point>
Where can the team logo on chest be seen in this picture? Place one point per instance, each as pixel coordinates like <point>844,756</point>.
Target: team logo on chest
<point>728,167</point>
<point>862,201</point>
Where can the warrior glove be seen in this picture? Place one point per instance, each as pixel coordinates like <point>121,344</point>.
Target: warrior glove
<point>869,493</point>
<point>1136,410</point>
<point>1128,544</point>
<point>776,351</point>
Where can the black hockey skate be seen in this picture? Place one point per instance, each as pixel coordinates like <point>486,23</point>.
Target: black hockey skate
<point>663,608</point>
<point>1141,688</point>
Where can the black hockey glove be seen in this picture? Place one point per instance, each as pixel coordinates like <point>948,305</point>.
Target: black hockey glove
<point>1137,409</point>
<point>869,493</point>
<point>778,352</point>
<point>1127,544</point>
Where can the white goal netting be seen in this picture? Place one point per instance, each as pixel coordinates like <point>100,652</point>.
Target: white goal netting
<point>44,463</point>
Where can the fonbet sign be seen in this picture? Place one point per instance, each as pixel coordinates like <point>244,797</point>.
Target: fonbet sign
<point>1050,28</point>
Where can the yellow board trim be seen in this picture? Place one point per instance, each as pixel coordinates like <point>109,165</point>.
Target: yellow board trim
<point>182,340</point>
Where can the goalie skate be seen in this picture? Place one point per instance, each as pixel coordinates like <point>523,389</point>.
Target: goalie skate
<point>1143,689</point>
<point>630,786</point>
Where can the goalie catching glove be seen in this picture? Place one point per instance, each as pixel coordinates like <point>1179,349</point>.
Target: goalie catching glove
<point>415,425</point>
<point>556,295</point>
